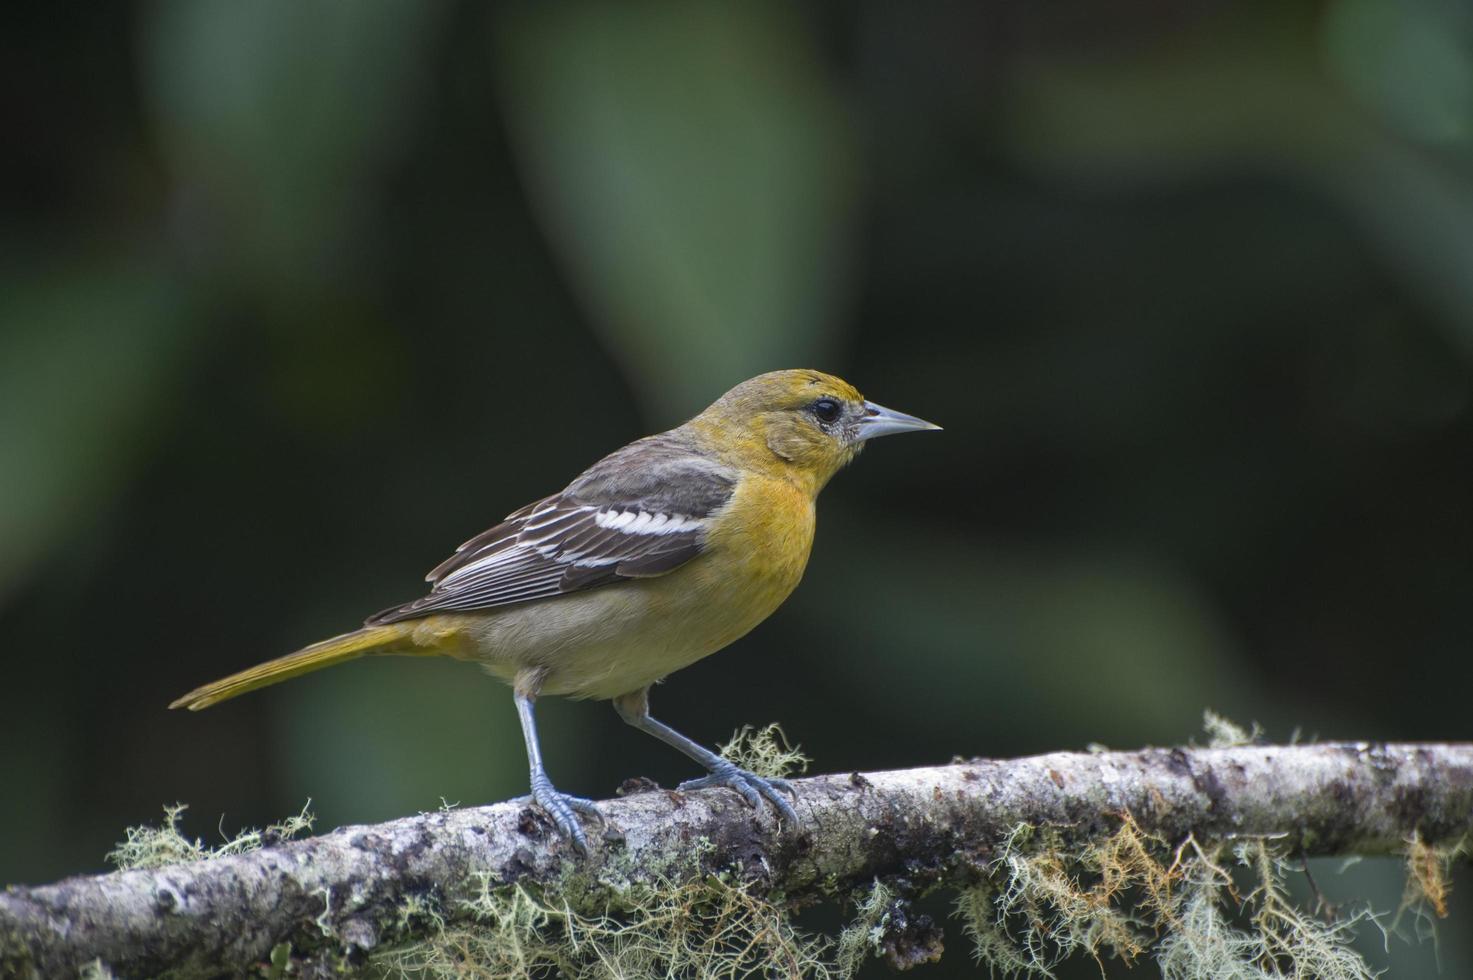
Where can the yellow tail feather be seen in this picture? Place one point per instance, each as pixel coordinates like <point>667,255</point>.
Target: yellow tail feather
<point>373,639</point>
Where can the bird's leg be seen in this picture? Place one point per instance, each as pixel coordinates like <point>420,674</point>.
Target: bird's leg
<point>560,806</point>
<point>635,710</point>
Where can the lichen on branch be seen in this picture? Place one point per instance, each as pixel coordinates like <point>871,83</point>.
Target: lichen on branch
<point>1178,854</point>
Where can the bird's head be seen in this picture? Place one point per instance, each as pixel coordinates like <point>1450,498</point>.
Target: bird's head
<point>803,421</point>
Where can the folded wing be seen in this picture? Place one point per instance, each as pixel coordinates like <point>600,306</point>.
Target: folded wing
<point>640,512</point>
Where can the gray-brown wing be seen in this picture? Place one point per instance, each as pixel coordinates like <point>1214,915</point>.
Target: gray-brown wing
<point>640,512</point>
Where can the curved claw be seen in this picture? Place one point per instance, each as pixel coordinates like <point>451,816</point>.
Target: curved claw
<point>563,810</point>
<point>751,787</point>
<point>782,784</point>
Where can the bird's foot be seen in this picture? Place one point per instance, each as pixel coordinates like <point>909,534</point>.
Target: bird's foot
<point>564,810</point>
<point>750,786</point>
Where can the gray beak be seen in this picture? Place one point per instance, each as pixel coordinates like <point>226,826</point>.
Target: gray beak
<point>881,421</point>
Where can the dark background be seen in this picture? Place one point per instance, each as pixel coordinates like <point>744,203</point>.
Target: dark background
<point>294,298</point>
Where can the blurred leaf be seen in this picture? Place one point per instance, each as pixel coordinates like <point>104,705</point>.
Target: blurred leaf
<point>1232,99</point>
<point>1411,62</point>
<point>695,173</point>
<point>278,117</point>
<point>87,363</point>
<point>1420,214</point>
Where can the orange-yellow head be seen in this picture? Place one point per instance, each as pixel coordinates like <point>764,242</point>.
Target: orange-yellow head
<point>804,422</point>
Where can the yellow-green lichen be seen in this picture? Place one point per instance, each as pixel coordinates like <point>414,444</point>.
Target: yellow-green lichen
<point>1428,880</point>
<point>706,928</point>
<point>1131,893</point>
<point>766,752</point>
<point>1223,733</point>
<point>95,970</point>
<point>864,937</point>
<point>155,847</point>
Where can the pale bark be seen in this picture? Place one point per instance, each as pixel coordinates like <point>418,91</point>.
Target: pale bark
<point>339,896</point>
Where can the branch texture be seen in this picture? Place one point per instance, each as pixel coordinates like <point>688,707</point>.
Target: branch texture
<point>343,894</point>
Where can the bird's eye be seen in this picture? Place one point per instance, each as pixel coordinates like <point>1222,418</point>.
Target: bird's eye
<point>827,409</point>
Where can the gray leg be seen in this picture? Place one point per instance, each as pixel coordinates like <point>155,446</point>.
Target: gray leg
<point>559,806</point>
<point>635,710</point>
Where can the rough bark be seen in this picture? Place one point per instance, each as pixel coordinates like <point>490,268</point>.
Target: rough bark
<point>340,895</point>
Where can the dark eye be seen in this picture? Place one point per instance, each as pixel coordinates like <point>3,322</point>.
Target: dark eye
<point>827,409</point>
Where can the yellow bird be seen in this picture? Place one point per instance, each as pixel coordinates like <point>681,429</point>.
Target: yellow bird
<point>657,555</point>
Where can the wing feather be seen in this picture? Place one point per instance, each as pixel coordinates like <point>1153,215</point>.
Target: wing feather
<point>641,512</point>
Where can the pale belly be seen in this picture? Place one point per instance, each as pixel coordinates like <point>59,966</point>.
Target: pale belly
<point>620,638</point>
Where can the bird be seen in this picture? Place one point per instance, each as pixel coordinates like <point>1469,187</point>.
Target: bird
<point>656,556</point>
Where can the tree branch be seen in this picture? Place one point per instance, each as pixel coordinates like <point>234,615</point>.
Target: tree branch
<point>344,894</point>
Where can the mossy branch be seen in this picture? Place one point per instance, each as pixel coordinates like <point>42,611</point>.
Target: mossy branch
<point>341,899</point>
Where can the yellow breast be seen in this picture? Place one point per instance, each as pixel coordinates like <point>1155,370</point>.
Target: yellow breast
<point>761,541</point>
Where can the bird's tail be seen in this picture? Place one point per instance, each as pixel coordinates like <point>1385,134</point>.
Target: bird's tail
<point>393,638</point>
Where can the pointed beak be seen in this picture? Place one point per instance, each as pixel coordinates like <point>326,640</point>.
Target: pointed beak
<point>881,421</point>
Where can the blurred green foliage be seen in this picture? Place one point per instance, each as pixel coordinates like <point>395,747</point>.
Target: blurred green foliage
<point>695,169</point>
<point>295,297</point>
